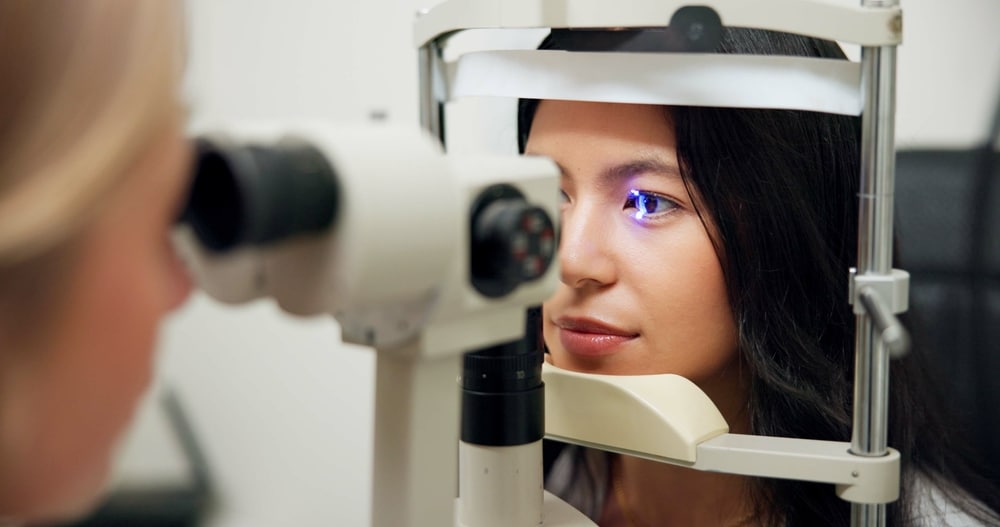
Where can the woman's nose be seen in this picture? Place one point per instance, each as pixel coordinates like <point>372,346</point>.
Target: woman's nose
<point>585,256</point>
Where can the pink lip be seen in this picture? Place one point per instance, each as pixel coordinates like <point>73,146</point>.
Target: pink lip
<point>591,338</point>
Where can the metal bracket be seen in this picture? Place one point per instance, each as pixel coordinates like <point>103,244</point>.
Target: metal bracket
<point>869,293</point>
<point>858,479</point>
<point>893,288</point>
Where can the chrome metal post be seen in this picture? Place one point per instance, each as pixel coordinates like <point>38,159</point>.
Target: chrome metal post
<point>871,384</point>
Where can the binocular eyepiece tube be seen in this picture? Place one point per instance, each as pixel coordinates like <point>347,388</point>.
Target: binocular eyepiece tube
<point>251,195</point>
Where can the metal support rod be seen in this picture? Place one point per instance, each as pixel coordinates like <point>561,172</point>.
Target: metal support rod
<point>871,384</point>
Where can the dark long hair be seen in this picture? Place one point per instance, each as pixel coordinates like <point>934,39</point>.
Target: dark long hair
<point>781,189</point>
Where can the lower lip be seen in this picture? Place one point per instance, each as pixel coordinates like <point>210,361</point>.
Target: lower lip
<point>591,344</point>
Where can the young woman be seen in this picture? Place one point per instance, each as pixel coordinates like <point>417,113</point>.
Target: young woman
<point>714,243</point>
<point>93,166</point>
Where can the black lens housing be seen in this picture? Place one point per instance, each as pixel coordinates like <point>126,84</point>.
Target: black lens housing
<point>255,195</point>
<point>503,397</point>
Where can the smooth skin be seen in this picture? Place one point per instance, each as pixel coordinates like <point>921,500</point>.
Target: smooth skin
<point>68,395</point>
<point>642,289</point>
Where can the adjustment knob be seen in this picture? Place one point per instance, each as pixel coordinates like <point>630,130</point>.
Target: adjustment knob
<point>512,241</point>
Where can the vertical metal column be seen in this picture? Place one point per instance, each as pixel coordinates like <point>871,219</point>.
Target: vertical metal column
<point>871,384</point>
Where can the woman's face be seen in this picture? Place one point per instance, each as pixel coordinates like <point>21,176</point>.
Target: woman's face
<point>68,398</point>
<point>642,287</point>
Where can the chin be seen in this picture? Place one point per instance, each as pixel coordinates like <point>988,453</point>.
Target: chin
<point>81,503</point>
<point>86,492</point>
<point>57,499</point>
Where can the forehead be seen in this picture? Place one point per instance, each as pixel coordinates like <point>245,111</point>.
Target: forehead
<point>612,140</point>
<point>559,125</point>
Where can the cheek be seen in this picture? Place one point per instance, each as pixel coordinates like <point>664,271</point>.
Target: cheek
<point>680,295</point>
<point>78,399</point>
<point>116,339</point>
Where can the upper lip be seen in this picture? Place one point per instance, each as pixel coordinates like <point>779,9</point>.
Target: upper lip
<point>590,325</point>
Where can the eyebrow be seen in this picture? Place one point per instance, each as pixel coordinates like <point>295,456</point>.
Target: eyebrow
<point>641,165</point>
<point>629,169</point>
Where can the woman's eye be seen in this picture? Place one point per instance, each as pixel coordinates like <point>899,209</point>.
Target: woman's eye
<point>648,204</point>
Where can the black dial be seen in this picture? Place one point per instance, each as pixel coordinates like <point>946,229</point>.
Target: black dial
<point>512,241</point>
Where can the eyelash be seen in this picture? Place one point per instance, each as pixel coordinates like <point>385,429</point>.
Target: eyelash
<point>648,205</point>
<point>640,198</point>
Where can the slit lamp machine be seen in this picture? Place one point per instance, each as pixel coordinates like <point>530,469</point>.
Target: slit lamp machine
<point>432,258</point>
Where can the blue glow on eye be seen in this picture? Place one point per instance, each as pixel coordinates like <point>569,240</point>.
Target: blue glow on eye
<point>648,203</point>
<point>634,200</point>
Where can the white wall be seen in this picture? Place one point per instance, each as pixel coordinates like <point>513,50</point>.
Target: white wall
<point>948,72</point>
<point>283,409</point>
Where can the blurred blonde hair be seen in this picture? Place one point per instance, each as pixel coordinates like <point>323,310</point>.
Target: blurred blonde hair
<point>87,85</point>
